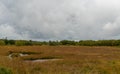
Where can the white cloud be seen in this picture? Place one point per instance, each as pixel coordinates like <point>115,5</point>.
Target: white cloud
<point>8,31</point>
<point>112,29</point>
<point>60,19</point>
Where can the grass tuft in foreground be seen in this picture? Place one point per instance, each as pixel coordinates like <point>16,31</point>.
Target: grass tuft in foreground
<point>5,71</point>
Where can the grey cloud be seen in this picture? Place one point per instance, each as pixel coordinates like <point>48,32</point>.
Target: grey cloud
<point>59,19</point>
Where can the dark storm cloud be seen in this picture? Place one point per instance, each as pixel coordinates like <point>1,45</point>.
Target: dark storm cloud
<point>59,19</point>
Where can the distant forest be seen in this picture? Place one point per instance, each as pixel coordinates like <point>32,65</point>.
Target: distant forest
<point>62,42</point>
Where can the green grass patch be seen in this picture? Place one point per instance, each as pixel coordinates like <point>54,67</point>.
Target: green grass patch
<point>5,71</point>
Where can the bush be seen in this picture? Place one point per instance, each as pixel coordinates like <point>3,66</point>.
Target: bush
<point>23,43</point>
<point>53,43</point>
<point>5,71</point>
<point>11,42</point>
<point>2,42</point>
<point>67,42</point>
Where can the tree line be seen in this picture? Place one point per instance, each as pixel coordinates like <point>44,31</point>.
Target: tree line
<point>62,42</point>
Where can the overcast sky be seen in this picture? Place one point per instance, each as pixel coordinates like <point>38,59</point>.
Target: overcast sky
<point>60,19</point>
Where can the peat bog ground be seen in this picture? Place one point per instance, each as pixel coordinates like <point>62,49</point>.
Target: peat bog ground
<point>59,60</point>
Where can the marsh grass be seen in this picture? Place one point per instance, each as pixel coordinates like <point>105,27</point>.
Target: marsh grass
<point>75,60</point>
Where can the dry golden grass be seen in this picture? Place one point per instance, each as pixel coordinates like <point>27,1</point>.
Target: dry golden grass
<point>73,59</point>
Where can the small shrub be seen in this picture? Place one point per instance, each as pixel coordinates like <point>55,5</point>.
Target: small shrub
<point>2,42</point>
<point>5,71</point>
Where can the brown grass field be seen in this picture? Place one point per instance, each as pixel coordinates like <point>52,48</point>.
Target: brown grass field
<point>60,59</point>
